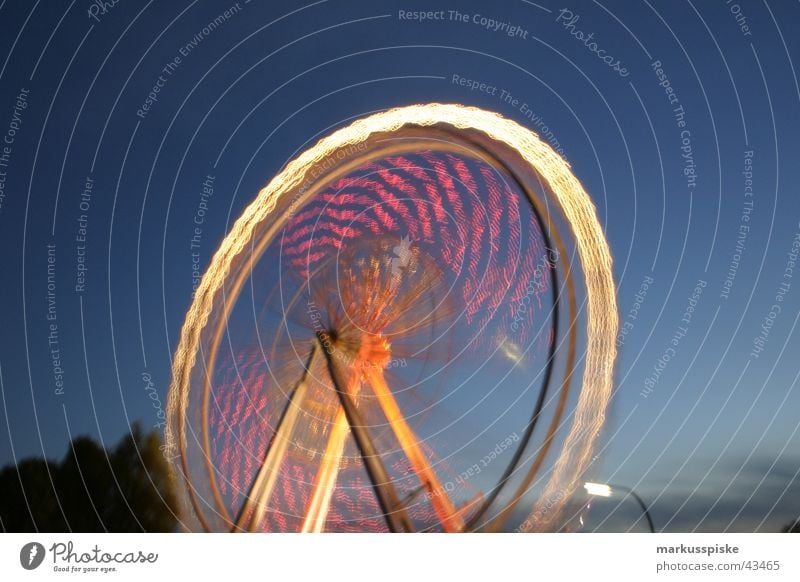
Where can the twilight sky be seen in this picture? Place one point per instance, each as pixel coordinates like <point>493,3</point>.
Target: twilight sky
<point>124,128</point>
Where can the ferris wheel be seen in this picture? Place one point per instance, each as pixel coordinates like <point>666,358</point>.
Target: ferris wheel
<point>411,328</point>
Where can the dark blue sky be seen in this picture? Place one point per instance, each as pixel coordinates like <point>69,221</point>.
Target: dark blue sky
<point>703,92</point>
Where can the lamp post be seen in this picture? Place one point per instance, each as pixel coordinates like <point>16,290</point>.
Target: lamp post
<point>606,490</point>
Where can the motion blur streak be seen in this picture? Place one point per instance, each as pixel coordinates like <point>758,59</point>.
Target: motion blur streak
<point>326,477</point>
<point>448,515</point>
<point>595,257</point>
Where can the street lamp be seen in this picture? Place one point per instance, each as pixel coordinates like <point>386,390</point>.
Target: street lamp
<point>606,490</point>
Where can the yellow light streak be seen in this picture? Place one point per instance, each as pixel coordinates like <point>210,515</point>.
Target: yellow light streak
<point>325,481</point>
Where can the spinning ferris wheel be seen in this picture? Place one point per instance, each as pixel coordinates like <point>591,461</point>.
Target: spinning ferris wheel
<point>411,328</point>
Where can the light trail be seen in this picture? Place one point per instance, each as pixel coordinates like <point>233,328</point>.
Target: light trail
<point>448,515</point>
<point>325,481</point>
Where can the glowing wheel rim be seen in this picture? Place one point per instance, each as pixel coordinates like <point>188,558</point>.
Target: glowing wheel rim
<point>577,209</point>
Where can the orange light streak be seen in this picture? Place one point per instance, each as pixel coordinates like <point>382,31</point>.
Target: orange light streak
<point>448,515</point>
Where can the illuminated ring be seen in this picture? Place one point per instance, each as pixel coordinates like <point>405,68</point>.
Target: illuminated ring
<point>578,210</point>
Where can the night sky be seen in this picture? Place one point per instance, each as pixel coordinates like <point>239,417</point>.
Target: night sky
<point>680,118</point>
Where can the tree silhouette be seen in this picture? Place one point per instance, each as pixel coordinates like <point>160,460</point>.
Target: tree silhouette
<point>127,488</point>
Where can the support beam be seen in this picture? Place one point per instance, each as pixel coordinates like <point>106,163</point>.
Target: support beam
<point>448,515</point>
<point>325,481</point>
<point>255,505</point>
<point>395,515</point>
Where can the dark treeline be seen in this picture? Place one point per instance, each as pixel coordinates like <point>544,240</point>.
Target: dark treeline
<point>126,488</point>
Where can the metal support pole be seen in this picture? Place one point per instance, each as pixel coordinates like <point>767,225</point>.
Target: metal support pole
<point>261,491</point>
<point>396,517</point>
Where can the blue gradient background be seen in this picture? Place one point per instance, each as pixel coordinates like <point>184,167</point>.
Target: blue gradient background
<point>714,446</point>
